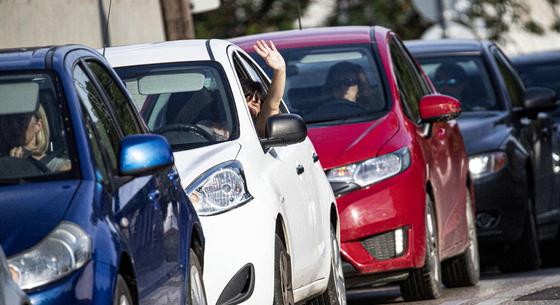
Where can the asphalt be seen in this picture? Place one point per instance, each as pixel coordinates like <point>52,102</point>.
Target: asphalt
<point>525,288</point>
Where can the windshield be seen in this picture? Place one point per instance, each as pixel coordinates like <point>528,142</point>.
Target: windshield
<point>189,103</point>
<point>464,78</point>
<point>333,83</point>
<point>33,141</point>
<point>542,75</point>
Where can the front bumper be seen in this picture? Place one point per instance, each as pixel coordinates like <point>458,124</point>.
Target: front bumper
<point>234,240</point>
<point>398,202</point>
<point>92,284</point>
<point>501,204</point>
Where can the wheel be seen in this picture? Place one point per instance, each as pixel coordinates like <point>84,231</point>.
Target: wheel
<point>122,293</point>
<point>523,255</point>
<point>336,291</point>
<point>196,292</point>
<point>283,293</point>
<point>464,270</point>
<point>425,282</point>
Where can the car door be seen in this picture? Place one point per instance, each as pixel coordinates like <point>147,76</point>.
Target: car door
<point>139,204</point>
<point>291,180</point>
<point>440,152</point>
<point>538,132</point>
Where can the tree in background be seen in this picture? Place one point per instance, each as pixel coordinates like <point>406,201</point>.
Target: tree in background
<point>398,15</point>
<point>243,17</point>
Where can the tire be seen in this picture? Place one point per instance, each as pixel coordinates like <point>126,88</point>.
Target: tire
<point>464,270</point>
<point>336,291</point>
<point>425,283</point>
<point>523,255</point>
<point>122,293</point>
<point>196,292</point>
<point>283,293</point>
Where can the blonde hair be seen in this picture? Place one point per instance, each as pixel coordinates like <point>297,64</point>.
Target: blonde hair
<point>41,145</point>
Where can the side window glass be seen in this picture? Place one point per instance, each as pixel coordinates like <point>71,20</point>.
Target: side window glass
<point>96,112</point>
<point>97,151</point>
<point>511,79</point>
<point>410,89</point>
<point>123,109</point>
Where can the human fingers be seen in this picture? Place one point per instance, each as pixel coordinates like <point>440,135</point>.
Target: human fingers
<point>261,53</point>
<point>272,46</point>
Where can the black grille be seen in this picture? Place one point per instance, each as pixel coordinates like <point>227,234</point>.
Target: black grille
<point>382,246</point>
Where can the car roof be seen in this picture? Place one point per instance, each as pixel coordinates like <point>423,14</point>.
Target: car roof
<point>536,58</point>
<point>444,46</point>
<point>23,58</point>
<point>312,37</point>
<point>165,52</point>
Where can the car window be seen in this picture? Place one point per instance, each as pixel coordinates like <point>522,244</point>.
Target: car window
<point>119,101</point>
<point>332,84</point>
<point>34,127</point>
<point>410,88</point>
<point>97,112</point>
<point>465,78</point>
<point>188,103</point>
<point>512,81</point>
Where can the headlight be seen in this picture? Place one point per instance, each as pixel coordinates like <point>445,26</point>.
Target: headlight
<point>66,249</point>
<point>372,170</point>
<point>486,164</point>
<point>220,189</point>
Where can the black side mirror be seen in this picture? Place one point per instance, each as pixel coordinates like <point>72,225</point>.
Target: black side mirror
<point>284,129</point>
<point>537,99</point>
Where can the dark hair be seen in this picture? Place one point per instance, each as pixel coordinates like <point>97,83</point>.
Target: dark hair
<point>343,67</point>
<point>453,69</point>
<point>250,86</point>
<point>12,131</point>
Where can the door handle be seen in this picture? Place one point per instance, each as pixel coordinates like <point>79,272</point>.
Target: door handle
<point>315,157</point>
<point>154,196</point>
<point>300,169</point>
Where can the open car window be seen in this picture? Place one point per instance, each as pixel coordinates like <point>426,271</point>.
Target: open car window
<point>33,130</point>
<point>188,103</point>
<point>317,78</point>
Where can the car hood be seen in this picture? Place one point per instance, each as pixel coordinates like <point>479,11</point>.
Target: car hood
<point>28,212</point>
<point>338,145</point>
<point>194,162</point>
<point>484,131</point>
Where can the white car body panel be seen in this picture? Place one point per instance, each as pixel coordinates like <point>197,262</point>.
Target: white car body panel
<point>246,234</point>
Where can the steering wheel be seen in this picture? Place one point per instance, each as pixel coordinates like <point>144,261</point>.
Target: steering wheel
<point>189,128</point>
<point>342,105</point>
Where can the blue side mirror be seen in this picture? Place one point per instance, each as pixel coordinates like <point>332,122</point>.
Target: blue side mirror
<point>143,154</point>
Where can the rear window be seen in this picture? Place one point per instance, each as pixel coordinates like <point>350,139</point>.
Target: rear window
<point>464,78</point>
<point>333,83</point>
<point>188,103</point>
<point>33,129</point>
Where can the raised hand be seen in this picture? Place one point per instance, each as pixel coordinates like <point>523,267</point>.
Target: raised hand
<point>271,56</point>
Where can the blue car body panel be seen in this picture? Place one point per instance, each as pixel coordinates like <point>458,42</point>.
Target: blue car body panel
<point>142,227</point>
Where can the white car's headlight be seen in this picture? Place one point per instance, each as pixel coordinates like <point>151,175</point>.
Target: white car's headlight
<point>66,249</point>
<point>372,170</point>
<point>220,189</point>
<point>486,164</point>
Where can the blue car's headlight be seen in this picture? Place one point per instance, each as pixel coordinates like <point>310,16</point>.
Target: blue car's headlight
<point>66,249</point>
<point>486,164</point>
<point>220,189</point>
<point>372,170</point>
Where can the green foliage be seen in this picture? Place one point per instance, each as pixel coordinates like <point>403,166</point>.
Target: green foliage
<point>243,17</point>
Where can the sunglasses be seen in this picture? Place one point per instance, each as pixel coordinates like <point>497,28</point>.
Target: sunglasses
<point>347,82</point>
<point>450,82</point>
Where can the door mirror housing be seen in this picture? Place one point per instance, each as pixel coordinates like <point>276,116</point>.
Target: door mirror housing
<point>537,99</point>
<point>144,154</point>
<point>284,129</point>
<point>439,108</point>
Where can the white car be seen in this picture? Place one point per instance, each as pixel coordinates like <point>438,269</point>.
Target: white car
<point>266,207</point>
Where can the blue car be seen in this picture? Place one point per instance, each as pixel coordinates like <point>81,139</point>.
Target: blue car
<point>92,210</point>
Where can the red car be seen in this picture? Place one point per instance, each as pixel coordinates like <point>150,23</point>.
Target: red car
<point>393,153</point>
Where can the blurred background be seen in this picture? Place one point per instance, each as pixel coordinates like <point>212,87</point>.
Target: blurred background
<point>520,26</point>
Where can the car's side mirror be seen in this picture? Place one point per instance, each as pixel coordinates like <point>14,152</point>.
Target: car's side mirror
<point>537,99</point>
<point>284,129</point>
<point>144,154</point>
<point>439,108</point>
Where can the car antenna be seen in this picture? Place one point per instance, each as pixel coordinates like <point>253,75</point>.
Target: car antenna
<point>299,14</point>
<point>106,29</point>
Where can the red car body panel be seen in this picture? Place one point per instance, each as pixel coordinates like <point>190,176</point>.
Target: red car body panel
<point>438,166</point>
